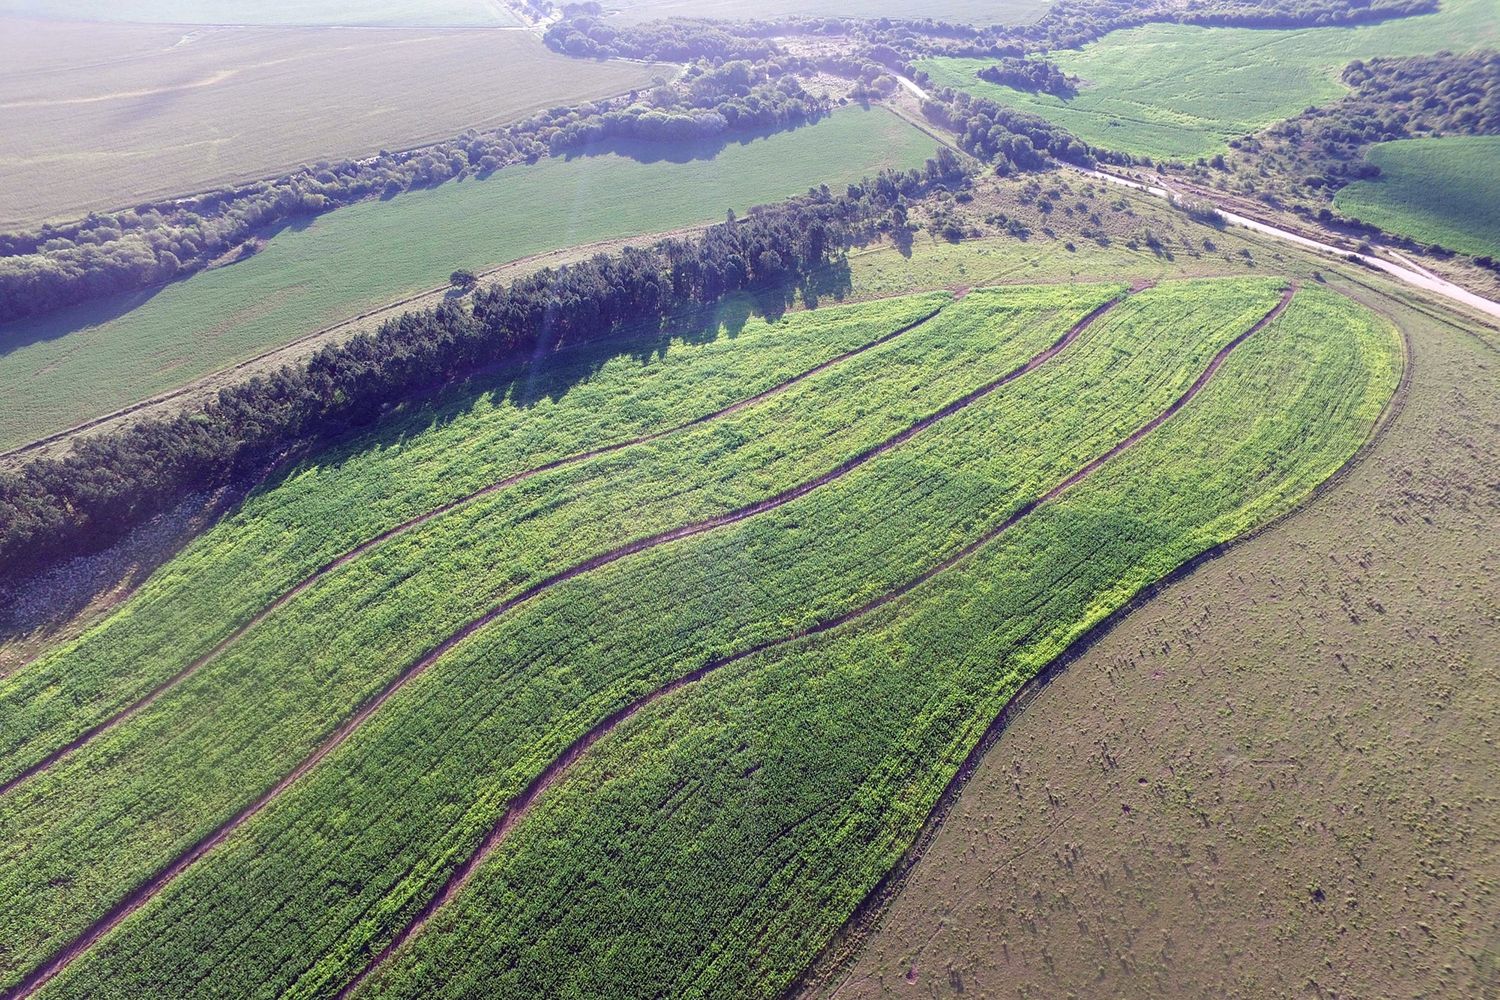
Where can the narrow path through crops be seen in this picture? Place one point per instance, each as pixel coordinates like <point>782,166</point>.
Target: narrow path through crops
<point>143,893</point>
<point>522,804</point>
<point>366,546</point>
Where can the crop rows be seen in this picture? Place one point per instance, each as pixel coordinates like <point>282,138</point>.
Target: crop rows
<point>537,414</point>
<point>298,897</point>
<point>138,795</point>
<point>713,843</point>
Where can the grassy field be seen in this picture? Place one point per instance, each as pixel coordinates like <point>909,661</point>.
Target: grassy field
<point>102,116</point>
<point>131,347</point>
<point>759,806</point>
<point>347,856</point>
<point>1444,191</point>
<point>1177,92</point>
<point>964,11</point>
<point>555,520</point>
<point>378,13</point>
<point>1217,754</point>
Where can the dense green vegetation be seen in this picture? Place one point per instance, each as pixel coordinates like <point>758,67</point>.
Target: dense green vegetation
<point>435,457</point>
<point>713,844</point>
<point>131,347</point>
<point>1443,191</point>
<point>1171,91</point>
<point>530,682</point>
<point>177,770</point>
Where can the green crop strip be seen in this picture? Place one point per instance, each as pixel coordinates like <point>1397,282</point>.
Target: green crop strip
<point>137,796</point>
<point>339,863</point>
<point>538,414</point>
<point>713,843</point>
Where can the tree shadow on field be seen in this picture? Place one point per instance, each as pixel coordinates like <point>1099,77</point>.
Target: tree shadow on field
<point>549,373</point>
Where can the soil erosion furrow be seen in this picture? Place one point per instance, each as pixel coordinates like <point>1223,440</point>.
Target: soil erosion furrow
<point>523,802</point>
<point>135,708</point>
<point>148,890</point>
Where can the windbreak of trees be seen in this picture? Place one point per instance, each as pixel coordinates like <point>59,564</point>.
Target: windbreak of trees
<point>720,101</point>
<point>1013,141</point>
<point>56,508</point>
<point>105,253</point>
<point>590,36</point>
<point>1035,75</point>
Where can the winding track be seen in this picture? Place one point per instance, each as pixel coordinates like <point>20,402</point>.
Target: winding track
<point>523,803</point>
<point>364,547</point>
<point>149,889</point>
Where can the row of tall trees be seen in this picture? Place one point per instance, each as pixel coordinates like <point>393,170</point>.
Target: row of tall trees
<point>58,265</point>
<point>55,508</point>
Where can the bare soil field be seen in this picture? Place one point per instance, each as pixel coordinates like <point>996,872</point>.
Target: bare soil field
<point>1275,779</point>
<point>100,116</point>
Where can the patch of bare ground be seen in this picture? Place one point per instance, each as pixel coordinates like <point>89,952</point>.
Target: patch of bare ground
<point>1275,779</point>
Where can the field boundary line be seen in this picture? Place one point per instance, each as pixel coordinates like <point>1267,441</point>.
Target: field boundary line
<point>376,541</point>
<point>521,804</point>
<point>840,952</point>
<point>204,383</point>
<point>149,889</point>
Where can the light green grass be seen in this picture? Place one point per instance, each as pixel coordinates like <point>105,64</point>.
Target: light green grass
<point>267,701</point>
<point>84,362</point>
<point>714,844</point>
<point>1444,191</point>
<point>963,11</point>
<point>381,13</point>
<point>1177,92</point>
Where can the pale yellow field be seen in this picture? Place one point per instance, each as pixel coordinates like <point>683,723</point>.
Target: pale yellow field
<point>99,116</point>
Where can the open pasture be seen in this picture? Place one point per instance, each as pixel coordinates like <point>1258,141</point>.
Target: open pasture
<point>896,469</point>
<point>1177,92</point>
<point>131,347</point>
<point>1444,191</point>
<point>106,116</point>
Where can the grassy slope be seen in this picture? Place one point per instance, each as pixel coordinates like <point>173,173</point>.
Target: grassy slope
<point>1308,712</point>
<point>210,745</point>
<point>285,532</point>
<point>1444,191</point>
<point>137,112</point>
<point>963,11</point>
<point>477,13</point>
<point>532,680</point>
<point>713,844</point>
<point>90,360</point>
<point>1171,91</point>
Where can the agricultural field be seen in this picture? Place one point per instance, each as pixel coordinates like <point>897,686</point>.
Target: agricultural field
<point>274,762</point>
<point>130,347</point>
<point>1444,191</point>
<point>961,11</point>
<point>106,116</point>
<point>361,13</point>
<point>1178,92</point>
<point>1186,809</point>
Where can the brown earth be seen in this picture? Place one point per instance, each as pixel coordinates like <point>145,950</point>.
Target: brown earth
<point>1276,779</point>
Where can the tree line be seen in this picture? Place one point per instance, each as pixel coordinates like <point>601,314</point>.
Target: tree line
<point>52,509</point>
<point>58,265</point>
